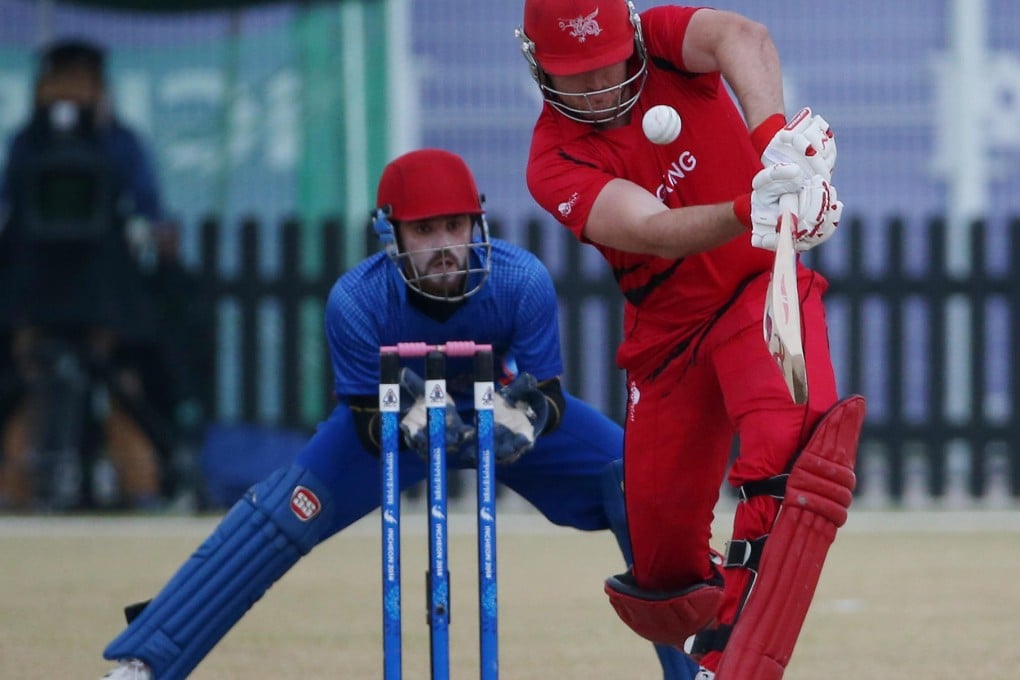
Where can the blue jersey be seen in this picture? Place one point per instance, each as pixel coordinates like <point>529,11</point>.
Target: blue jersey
<point>515,312</point>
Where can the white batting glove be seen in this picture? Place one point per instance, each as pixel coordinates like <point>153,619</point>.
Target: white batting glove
<point>818,208</point>
<point>807,141</point>
<point>768,186</point>
<point>819,211</point>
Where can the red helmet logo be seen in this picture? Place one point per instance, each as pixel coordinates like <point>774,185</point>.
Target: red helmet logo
<point>582,27</point>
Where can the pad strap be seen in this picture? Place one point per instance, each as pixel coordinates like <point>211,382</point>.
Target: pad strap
<point>773,486</point>
<point>745,554</point>
<point>740,554</point>
<point>711,640</point>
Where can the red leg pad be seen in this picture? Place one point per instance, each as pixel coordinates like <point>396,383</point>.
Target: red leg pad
<point>667,618</point>
<point>818,495</point>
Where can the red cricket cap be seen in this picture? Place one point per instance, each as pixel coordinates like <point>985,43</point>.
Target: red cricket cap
<point>428,183</point>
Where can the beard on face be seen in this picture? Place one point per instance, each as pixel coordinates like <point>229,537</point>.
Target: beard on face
<point>438,279</point>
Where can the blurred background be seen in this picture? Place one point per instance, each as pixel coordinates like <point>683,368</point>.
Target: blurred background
<point>268,123</point>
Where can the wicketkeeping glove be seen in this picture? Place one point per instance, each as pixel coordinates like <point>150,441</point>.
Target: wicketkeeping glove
<point>806,141</point>
<point>818,208</point>
<point>519,417</point>
<point>414,423</point>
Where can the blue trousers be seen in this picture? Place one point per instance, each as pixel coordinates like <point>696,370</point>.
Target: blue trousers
<point>560,476</point>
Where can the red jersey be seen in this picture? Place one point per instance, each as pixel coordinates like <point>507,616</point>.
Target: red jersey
<point>668,301</point>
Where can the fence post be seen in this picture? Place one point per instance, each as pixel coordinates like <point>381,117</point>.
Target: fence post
<point>248,298</point>
<point>290,290</point>
<point>1013,434</point>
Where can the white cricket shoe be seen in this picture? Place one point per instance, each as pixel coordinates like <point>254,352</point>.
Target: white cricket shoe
<point>129,669</point>
<point>704,674</point>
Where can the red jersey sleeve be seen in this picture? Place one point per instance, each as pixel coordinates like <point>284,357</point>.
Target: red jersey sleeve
<point>664,29</point>
<point>565,183</point>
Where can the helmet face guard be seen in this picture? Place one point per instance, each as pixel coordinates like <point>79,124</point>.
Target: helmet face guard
<point>476,254</point>
<point>578,57</point>
<point>626,98</point>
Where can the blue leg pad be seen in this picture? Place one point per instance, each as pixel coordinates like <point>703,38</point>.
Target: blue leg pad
<point>277,522</point>
<point>675,664</point>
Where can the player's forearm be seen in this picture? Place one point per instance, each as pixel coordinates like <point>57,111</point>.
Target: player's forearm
<point>677,233</point>
<point>693,229</point>
<point>628,218</point>
<point>669,233</point>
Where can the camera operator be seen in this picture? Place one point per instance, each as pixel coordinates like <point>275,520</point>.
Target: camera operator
<point>77,199</point>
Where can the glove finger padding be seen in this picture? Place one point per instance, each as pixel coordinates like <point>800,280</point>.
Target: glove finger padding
<point>414,422</point>
<point>520,416</point>
<point>768,186</point>
<point>806,141</point>
<point>818,215</point>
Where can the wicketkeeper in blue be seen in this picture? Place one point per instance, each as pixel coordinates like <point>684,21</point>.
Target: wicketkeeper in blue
<point>439,278</point>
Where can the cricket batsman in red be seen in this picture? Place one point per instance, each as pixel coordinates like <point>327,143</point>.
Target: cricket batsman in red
<point>688,226</point>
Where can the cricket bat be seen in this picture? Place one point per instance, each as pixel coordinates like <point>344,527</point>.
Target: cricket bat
<point>781,325</point>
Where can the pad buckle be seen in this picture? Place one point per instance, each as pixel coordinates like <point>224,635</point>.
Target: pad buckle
<point>745,554</point>
<point>773,486</point>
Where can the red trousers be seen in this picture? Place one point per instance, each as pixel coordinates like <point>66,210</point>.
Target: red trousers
<point>681,421</point>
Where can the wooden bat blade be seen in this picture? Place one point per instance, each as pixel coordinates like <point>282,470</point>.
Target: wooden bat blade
<point>781,324</point>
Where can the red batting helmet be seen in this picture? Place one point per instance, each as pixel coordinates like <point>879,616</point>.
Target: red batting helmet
<point>567,37</point>
<point>421,185</point>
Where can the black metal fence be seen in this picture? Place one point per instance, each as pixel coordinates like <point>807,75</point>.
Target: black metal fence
<point>271,362</point>
<point>931,350</point>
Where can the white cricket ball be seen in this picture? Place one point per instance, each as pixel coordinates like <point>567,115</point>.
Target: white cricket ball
<point>661,124</point>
